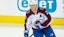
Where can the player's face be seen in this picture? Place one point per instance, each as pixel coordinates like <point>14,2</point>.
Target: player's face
<point>33,7</point>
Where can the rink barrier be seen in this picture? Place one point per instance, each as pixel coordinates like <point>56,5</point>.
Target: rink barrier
<point>21,20</point>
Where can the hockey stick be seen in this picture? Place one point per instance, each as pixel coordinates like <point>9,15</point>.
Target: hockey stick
<point>31,35</point>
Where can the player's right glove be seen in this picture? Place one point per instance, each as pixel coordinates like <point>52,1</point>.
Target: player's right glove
<point>26,33</point>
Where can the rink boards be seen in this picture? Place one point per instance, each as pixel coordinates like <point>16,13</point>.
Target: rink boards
<point>21,20</point>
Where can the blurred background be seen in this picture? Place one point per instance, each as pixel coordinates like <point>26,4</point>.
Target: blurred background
<point>12,19</point>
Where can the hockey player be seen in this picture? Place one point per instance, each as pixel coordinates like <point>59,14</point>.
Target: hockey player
<point>39,20</point>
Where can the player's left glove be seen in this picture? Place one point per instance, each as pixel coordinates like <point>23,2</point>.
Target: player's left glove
<point>26,33</point>
<point>39,27</point>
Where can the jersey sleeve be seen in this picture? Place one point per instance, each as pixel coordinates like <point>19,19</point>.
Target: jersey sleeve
<point>27,22</point>
<point>47,15</point>
<point>47,22</point>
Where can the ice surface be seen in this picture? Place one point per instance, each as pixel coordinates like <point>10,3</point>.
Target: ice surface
<point>16,30</point>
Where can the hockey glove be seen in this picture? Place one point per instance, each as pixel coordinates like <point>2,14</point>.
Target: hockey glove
<point>26,33</point>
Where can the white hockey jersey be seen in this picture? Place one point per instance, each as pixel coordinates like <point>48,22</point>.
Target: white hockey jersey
<point>41,15</point>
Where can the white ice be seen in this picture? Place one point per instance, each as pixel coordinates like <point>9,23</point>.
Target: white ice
<point>17,30</point>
